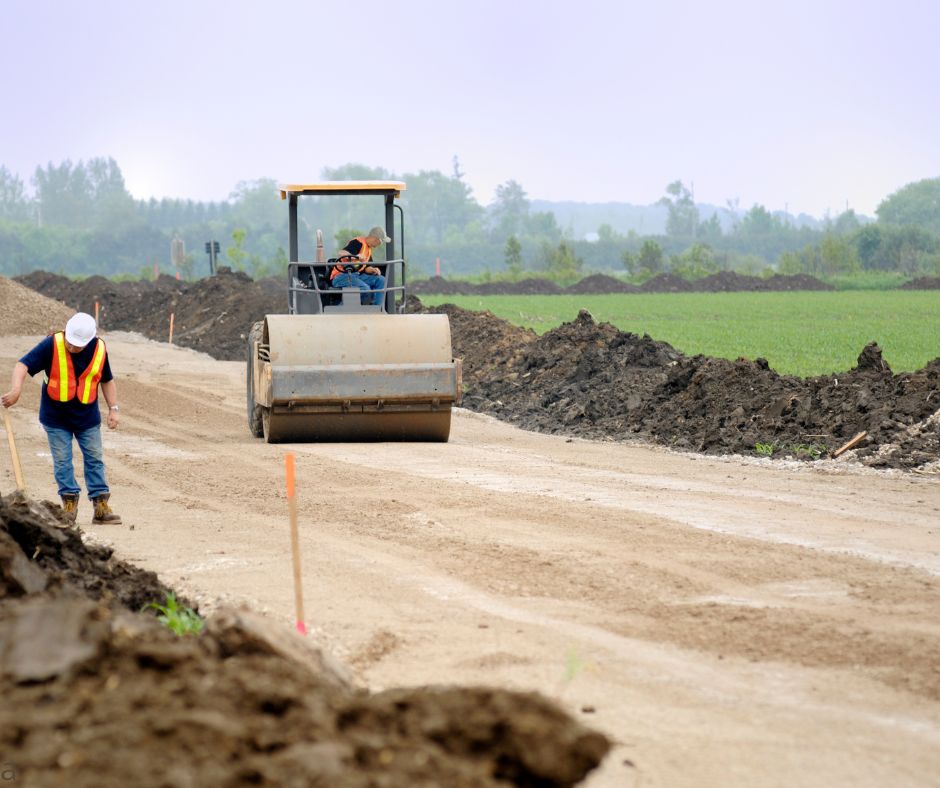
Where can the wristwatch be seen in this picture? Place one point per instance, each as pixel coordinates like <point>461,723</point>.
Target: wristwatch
<point>114,407</point>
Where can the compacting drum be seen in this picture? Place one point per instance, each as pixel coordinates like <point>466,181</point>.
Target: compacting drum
<point>335,369</point>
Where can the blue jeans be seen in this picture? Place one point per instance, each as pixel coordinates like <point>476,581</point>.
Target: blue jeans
<point>89,441</point>
<point>365,282</point>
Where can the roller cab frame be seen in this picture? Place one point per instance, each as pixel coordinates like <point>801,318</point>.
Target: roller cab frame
<point>334,369</point>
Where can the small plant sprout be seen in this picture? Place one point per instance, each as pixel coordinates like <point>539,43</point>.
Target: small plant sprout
<point>764,449</point>
<point>180,619</point>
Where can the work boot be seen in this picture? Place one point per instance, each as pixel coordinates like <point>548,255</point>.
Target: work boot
<point>70,508</point>
<point>103,513</point>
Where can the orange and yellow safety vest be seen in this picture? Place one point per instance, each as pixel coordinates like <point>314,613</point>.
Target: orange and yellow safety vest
<point>62,385</point>
<point>366,250</point>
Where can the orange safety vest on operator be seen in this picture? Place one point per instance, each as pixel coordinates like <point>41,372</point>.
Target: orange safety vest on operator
<point>62,385</point>
<point>366,250</point>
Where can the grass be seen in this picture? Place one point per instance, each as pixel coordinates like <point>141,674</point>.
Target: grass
<point>805,333</point>
<point>180,619</point>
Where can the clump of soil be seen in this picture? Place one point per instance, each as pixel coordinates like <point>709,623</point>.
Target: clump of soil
<point>95,693</point>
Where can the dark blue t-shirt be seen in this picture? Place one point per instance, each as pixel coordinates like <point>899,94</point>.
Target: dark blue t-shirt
<point>72,415</point>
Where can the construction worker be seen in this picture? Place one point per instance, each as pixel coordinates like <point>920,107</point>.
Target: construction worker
<point>365,277</point>
<point>75,362</point>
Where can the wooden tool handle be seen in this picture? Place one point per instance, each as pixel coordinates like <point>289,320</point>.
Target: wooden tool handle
<point>17,468</point>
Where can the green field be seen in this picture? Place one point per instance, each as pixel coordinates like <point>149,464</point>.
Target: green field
<point>804,333</point>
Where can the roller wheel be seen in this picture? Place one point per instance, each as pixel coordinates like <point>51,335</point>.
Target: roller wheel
<point>255,411</point>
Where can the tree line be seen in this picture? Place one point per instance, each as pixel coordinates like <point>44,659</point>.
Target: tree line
<point>80,219</point>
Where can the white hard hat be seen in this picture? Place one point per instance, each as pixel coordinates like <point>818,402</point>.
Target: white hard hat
<point>80,329</point>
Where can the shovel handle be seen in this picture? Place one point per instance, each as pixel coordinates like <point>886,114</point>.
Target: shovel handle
<point>17,468</point>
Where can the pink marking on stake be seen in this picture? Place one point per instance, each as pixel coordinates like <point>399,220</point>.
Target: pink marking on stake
<point>301,628</point>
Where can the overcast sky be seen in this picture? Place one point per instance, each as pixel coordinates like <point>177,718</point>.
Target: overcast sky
<point>805,105</point>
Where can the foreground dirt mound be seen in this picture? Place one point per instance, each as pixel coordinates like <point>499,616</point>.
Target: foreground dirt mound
<point>24,311</point>
<point>595,381</point>
<point>96,694</point>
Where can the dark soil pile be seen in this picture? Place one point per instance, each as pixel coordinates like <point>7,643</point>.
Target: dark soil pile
<point>923,283</point>
<point>730,282</point>
<point>439,286</point>
<point>667,283</point>
<point>601,284</point>
<point>722,282</point>
<point>781,282</point>
<point>534,286</point>
<point>212,315</point>
<point>97,695</point>
<point>595,381</point>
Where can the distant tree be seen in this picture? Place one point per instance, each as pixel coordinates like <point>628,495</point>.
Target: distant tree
<point>255,204</point>
<point>696,261</point>
<point>710,229</point>
<point>846,222</point>
<point>435,203</point>
<point>868,243</point>
<point>758,222</point>
<point>607,235</point>
<point>916,204</point>
<point>837,255</point>
<point>14,204</point>
<point>683,215</point>
<point>236,254</point>
<point>562,262</point>
<point>510,210</point>
<point>513,255</point>
<point>650,258</point>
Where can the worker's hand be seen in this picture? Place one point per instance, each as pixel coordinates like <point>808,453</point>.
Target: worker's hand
<point>371,269</point>
<point>113,418</point>
<point>10,398</point>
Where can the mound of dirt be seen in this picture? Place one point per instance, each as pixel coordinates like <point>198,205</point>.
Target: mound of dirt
<point>667,283</point>
<point>212,315</point>
<point>601,284</point>
<point>923,283</point>
<point>438,285</point>
<point>23,311</point>
<point>781,282</point>
<point>721,282</point>
<point>534,286</point>
<point>95,693</point>
<point>730,282</point>
<point>595,381</point>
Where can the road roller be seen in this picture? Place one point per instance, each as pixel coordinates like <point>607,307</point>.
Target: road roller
<point>337,369</point>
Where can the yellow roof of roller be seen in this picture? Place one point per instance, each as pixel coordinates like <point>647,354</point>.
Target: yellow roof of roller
<point>331,187</point>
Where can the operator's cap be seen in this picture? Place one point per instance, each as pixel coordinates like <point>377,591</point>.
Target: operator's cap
<point>379,232</point>
<point>80,329</point>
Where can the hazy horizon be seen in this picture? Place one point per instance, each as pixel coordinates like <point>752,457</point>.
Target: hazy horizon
<point>809,107</point>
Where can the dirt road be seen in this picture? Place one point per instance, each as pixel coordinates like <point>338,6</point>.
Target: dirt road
<point>727,622</point>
